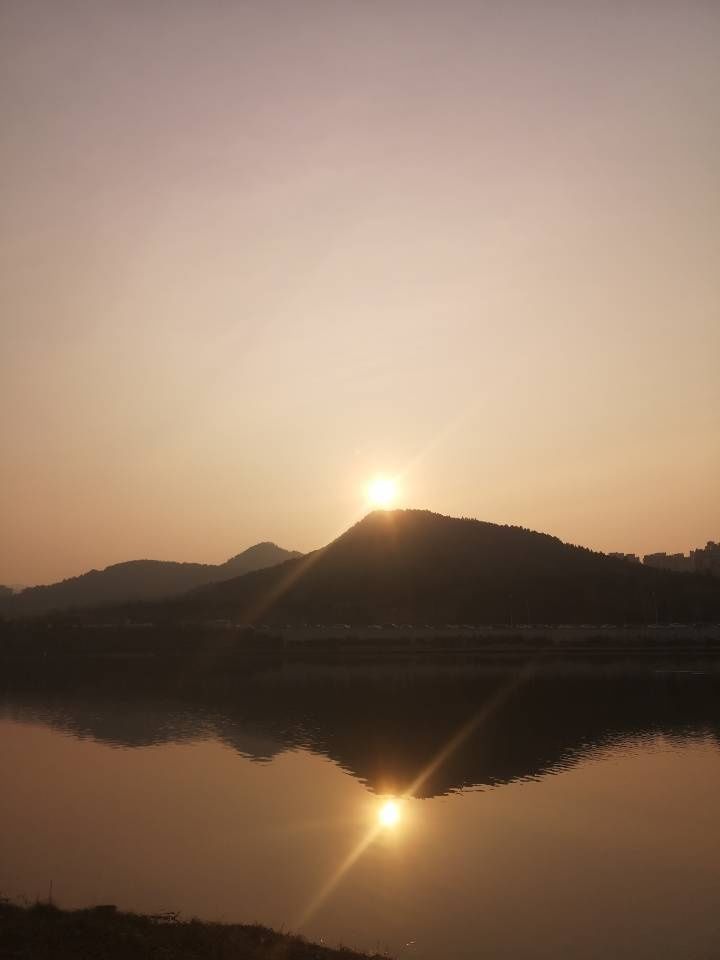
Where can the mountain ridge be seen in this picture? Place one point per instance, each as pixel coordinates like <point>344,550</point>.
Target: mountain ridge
<point>138,580</point>
<point>415,566</point>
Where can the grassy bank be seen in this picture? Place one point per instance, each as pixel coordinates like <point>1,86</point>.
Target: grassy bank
<point>44,932</point>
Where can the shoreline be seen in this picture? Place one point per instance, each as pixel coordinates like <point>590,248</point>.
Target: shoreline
<point>44,931</point>
<point>53,642</point>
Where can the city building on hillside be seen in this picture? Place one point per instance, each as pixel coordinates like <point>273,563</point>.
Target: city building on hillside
<point>707,559</point>
<point>630,557</point>
<point>677,562</point>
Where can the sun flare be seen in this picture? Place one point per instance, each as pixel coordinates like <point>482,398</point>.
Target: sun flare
<point>382,492</point>
<point>389,813</point>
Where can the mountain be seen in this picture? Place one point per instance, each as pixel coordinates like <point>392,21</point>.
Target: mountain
<point>259,557</point>
<point>139,580</point>
<point>417,567</point>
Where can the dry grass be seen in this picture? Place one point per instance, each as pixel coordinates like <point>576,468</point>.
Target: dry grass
<point>44,932</point>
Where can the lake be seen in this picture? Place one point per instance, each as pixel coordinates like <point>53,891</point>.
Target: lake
<point>543,809</point>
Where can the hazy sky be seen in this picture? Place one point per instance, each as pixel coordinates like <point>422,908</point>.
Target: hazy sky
<point>256,251</point>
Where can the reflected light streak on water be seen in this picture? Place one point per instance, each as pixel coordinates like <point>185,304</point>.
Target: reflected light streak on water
<point>389,813</point>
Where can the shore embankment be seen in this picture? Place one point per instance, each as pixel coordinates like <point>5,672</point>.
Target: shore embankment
<point>224,640</point>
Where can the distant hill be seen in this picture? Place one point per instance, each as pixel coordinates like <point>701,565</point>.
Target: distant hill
<point>415,567</point>
<point>138,580</point>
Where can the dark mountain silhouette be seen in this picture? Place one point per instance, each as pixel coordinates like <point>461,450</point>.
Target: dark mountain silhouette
<point>139,580</point>
<point>417,567</point>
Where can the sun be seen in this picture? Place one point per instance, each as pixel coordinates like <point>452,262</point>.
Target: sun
<point>389,813</point>
<point>382,492</point>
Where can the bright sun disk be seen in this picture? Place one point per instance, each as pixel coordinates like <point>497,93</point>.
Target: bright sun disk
<point>389,813</point>
<point>382,491</point>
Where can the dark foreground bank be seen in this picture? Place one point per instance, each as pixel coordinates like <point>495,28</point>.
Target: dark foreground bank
<point>44,932</point>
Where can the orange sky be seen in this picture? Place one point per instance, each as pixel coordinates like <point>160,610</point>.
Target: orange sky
<point>254,253</point>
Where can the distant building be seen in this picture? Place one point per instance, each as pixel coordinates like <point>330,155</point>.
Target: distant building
<point>630,557</point>
<point>677,562</point>
<point>707,559</point>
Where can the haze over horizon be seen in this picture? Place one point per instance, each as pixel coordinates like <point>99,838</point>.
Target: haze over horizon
<point>257,253</point>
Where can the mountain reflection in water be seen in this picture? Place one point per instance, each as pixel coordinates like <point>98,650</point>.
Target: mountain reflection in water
<point>382,722</point>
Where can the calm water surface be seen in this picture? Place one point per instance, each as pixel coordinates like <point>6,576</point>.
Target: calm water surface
<point>554,810</point>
